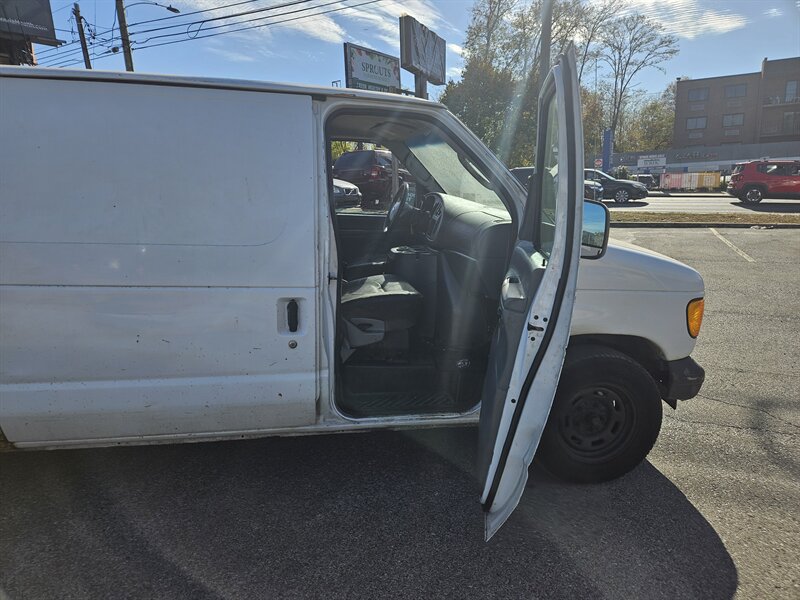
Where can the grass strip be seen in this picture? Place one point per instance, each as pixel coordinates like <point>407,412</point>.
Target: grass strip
<point>681,217</point>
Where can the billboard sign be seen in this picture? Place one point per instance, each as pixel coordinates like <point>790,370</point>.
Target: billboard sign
<point>651,160</point>
<point>29,20</point>
<point>366,69</point>
<point>422,51</point>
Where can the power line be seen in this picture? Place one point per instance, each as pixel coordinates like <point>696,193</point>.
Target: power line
<point>50,51</point>
<point>324,12</point>
<point>59,49</point>
<point>61,61</point>
<point>196,12</point>
<point>275,23</point>
<point>201,23</point>
<point>51,60</point>
<point>67,5</point>
<point>223,17</point>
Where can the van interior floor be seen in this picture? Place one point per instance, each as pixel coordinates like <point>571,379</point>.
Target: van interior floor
<point>377,386</point>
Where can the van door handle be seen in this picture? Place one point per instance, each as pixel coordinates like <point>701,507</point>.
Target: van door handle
<point>292,315</point>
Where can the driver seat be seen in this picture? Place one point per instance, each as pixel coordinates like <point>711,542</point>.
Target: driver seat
<point>376,305</point>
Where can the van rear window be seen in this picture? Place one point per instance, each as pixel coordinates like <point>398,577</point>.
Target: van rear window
<point>354,160</point>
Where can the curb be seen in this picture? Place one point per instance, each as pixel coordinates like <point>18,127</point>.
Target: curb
<point>688,195</point>
<point>698,225</point>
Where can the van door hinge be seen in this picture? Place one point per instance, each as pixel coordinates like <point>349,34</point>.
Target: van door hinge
<point>332,277</point>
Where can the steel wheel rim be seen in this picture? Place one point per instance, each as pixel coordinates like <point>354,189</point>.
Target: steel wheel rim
<point>596,423</point>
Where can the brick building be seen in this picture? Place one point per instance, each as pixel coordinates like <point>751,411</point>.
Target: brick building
<point>750,108</point>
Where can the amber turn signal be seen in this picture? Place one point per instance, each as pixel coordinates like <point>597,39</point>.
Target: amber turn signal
<point>694,316</point>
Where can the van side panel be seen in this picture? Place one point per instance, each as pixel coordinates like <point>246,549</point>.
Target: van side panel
<point>151,238</point>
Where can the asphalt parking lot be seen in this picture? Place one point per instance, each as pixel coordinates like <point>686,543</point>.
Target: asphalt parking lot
<point>712,513</point>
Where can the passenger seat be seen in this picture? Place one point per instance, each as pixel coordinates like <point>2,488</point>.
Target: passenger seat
<point>373,306</point>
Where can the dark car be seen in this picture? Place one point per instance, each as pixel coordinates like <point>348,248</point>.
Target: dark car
<point>345,194</point>
<point>620,190</point>
<point>591,189</point>
<point>371,171</point>
<point>758,179</point>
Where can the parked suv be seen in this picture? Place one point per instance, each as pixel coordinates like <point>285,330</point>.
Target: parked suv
<point>753,181</point>
<point>371,171</point>
<point>621,190</point>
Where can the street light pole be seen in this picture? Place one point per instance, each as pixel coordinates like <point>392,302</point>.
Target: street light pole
<point>123,32</point>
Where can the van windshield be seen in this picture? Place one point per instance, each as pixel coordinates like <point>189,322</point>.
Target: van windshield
<point>454,172</point>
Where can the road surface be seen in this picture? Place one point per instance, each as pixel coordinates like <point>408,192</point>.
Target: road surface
<point>705,204</point>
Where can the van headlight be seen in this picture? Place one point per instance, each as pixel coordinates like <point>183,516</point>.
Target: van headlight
<point>694,316</point>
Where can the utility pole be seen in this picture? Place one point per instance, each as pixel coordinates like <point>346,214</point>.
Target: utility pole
<point>76,11</point>
<point>545,40</point>
<point>123,32</point>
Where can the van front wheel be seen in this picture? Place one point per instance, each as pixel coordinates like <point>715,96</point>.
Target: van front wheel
<point>606,416</point>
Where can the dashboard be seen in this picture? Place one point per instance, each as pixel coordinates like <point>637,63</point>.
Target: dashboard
<point>454,224</point>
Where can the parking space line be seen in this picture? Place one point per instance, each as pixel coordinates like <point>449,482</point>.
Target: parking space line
<point>731,245</point>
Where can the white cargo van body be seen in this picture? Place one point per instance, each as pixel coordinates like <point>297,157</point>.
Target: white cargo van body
<point>148,259</point>
<point>170,267</point>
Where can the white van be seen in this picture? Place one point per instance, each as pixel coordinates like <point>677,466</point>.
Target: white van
<point>173,268</point>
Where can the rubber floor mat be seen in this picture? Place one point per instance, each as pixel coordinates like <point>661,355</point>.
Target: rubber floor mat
<point>397,403</point>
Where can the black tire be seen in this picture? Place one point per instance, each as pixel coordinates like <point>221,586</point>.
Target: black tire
<point>752,195</point>
<point>606,416</point>
<point>621,196</point>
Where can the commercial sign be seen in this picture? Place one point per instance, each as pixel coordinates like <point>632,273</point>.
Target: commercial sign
<point>651,160</point>
<point>366,69</point>
<point>29,20</point>
<point>422,51</point>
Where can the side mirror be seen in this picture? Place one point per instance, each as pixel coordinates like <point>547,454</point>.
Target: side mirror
<point>594,238</point>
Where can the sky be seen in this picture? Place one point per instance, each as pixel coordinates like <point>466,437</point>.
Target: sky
<point>716,37</point>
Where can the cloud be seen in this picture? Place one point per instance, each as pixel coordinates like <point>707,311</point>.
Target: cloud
<point>774,12</point>
<point>382,19</point>
<point>456,49</point>
<point>454,72</point>
<point>342,20</point>
<point>688,18</point>
<point>231,55</point>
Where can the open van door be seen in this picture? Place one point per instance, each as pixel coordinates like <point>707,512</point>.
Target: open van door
<point>536,302</point>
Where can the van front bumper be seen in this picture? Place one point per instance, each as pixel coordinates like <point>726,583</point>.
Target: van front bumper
<point>682,380</point>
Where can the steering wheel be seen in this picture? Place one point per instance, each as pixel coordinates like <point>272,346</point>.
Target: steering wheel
<point>397,209</point>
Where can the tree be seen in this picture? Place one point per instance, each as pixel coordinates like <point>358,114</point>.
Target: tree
<point>481,100</point>
<point>594,18</point>
<point>631,44</point>
<point>651,125</point>
<point>621,172</point>
<point>488,31</point>
<point>497,96</point>
<point>593,108</point>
